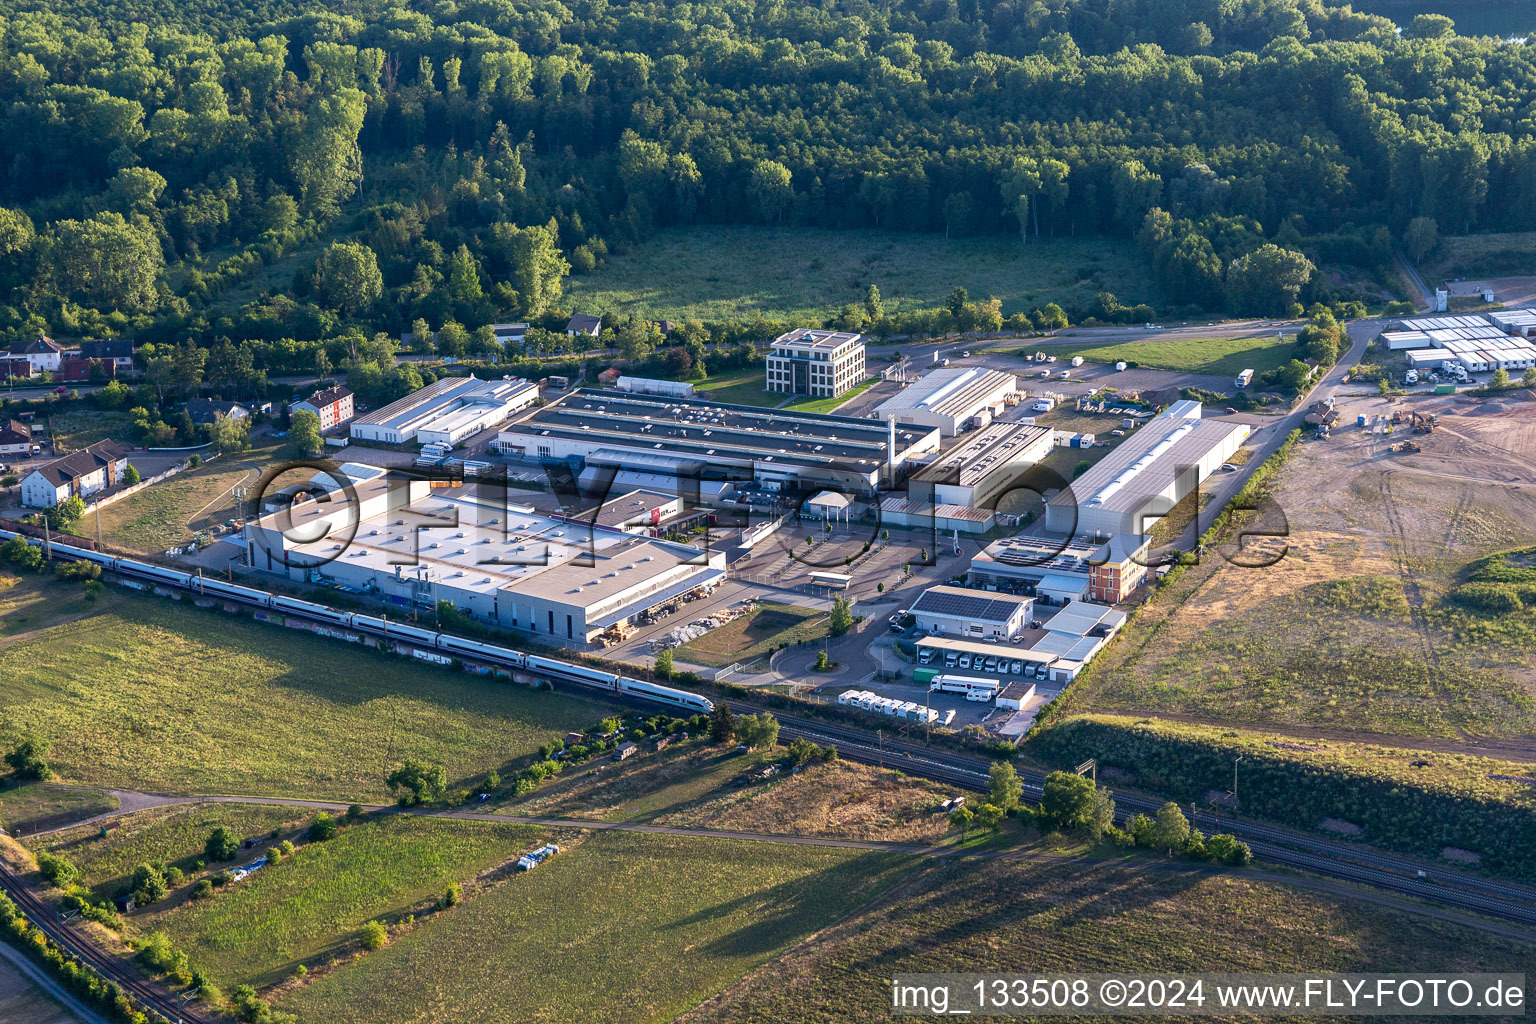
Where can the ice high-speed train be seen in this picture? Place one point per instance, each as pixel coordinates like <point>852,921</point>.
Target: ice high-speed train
<point>562,671</point>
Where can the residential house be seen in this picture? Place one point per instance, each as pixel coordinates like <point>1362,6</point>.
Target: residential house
<point>582,324</point>
<point>80,473</point>
<point>334,406</point>
<point>625,751</point>
<point>117,351</point>
<point>19,366</point>
<point>15,438</point>
<point>510,334</point>
<point>42,352</point>
<point>75,371</point>
<point>205,410</point>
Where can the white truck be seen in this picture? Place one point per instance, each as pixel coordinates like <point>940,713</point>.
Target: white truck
<point>1244,379</point>
<point>969,687</point>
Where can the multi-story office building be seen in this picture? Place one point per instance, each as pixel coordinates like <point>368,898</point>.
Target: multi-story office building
<point>822,364</point>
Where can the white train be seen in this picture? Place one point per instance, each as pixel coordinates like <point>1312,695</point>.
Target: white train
<point>562,671</point>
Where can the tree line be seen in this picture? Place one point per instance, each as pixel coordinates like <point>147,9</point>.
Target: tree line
<point>173,169</point>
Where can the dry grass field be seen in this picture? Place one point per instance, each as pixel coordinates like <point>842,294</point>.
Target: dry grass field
<point>1353,630</point>
<point>621,927</point>
<point>1022,918</point>
<point>714,272</point>
<point>699,785</point>
<point>840,799</point>
<point>25,1003</point>
<point>146,693</point>
<point>754,634</point>
<point>170,512</point>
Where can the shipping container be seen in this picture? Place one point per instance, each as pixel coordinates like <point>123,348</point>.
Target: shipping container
<point>925,675</point>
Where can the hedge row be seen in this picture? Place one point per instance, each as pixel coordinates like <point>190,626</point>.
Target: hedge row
<point>1422,807</point>
<point>82,981</point>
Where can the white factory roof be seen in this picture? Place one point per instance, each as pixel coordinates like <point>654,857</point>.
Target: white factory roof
<point>956,391</point>
<point>828,500</point>
<point>467,545</point>
<point>1068,647</point>
<point>811,339</point>
<point>1144,464</point>
<point>960,513</point>
<point>1449,335</point>
<point>1514,319</point>
<point>1078,618</point>
<point>446,403</point>
<point>1437,323</point>
<point>983,453</point>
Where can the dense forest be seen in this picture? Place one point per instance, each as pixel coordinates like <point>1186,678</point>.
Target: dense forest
<point>450,163</point>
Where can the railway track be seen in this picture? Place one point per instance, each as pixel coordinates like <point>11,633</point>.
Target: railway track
<point>1280,846</point>
<point>83,949</point>
<point>1350,862</point>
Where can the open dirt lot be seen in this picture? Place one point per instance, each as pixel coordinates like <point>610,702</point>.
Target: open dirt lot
<point>1356,629</point>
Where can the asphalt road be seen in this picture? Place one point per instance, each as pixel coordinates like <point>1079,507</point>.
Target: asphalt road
<point>1269,438</point>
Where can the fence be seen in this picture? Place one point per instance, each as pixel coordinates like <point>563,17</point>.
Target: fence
<point>144,482</point>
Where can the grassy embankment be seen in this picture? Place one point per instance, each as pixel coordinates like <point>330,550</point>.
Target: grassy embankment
<point>804,275</point>
<point>1217,357</point>
<point>620,928</point>
<point>143,693</point>
<point>1004,916</point>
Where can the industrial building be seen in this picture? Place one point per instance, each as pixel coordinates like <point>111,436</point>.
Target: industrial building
<point>952,399</point>
<point>942,519</point>
<point>651,386</point>
<point>639,512</point>
<point>504,564</point>
<point>823,364</point>
<point>1059,572</point>
<point>976,472</point>
<point>447,411</point>
<point>1149,473</point>
<point>1055,650</point>
<point>646,440</point>
<point>958,611</point>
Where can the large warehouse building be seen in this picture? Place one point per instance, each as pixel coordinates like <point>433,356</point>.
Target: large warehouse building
<point>976,472</point>
<point>1150,472</point>
<point>823,364</point>
<point>685,439</point>
<point>952,399</point>
<point>509,565</point>
<point>446,411</point>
